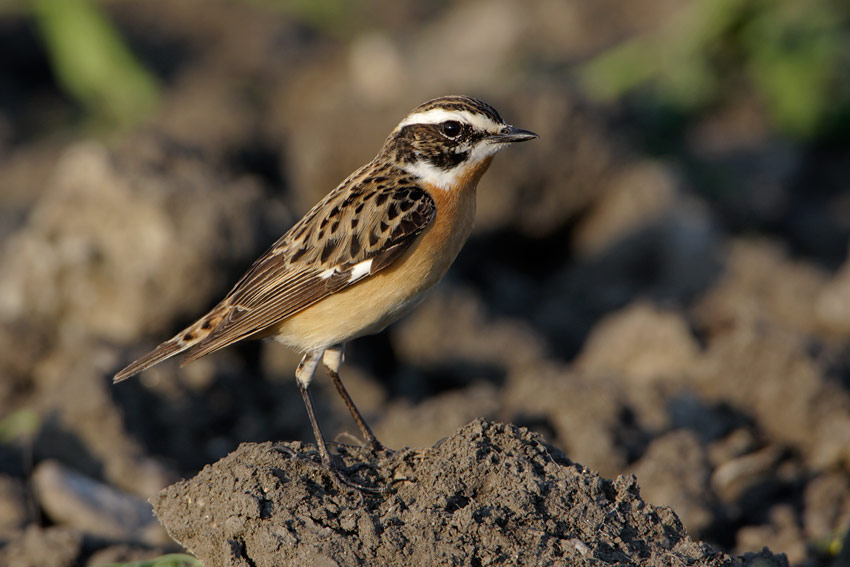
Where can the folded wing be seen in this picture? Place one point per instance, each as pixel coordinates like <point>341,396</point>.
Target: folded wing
<point>346,238</point>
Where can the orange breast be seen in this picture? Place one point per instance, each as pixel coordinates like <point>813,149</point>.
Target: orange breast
<point>372,304</point>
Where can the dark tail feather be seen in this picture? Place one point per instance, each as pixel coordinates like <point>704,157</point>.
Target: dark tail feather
<point>185,339</point>
<point>162,352</point>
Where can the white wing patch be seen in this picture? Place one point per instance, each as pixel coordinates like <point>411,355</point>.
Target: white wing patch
<point>358,270</point>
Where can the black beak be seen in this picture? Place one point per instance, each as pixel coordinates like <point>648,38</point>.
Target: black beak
<point>511,134</point>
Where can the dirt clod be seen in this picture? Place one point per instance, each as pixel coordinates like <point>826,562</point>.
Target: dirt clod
<point>492,494</point>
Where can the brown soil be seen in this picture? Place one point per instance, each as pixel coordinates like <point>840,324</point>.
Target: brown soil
<point>677,313</point>
<point>489,495</point>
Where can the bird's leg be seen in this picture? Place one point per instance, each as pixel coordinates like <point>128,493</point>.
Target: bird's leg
<point>303,374</point>
<point>332,360</point>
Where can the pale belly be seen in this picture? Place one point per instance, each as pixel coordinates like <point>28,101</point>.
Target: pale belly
<point>353,313</point>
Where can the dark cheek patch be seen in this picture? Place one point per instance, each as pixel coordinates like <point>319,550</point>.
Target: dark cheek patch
<point>425,141</point>
<point>448,160</point>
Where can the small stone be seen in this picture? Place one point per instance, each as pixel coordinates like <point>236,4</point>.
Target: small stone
<point>72,499</point>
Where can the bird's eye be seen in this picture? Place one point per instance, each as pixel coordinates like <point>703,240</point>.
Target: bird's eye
<point>451,128</point>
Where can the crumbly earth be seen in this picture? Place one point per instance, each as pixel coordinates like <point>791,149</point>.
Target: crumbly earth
<point>491,494</point>
<point>655,294</point>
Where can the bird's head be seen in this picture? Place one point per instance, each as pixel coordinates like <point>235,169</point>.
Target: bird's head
<point>445,139</point>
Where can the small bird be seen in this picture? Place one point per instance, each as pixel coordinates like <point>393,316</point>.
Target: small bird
<point>365,255</point>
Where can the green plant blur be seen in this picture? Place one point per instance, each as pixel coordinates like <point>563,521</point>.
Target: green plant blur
<point>794,56</point>
<point>93,65</point>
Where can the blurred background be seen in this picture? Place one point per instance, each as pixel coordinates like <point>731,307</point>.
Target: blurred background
<point>659,284</point>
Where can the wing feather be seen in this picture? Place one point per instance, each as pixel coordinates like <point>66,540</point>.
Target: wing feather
<point>349,236</point>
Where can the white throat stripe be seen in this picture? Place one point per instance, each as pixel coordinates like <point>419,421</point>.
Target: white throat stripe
<point>443,179</point>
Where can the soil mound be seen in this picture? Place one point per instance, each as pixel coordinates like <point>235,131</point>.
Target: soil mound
<point>492,494</point>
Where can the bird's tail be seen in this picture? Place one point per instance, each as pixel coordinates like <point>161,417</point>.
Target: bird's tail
<point>184,340</point>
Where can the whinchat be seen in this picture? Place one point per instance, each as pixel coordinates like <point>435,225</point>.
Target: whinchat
<point>365,255</point>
